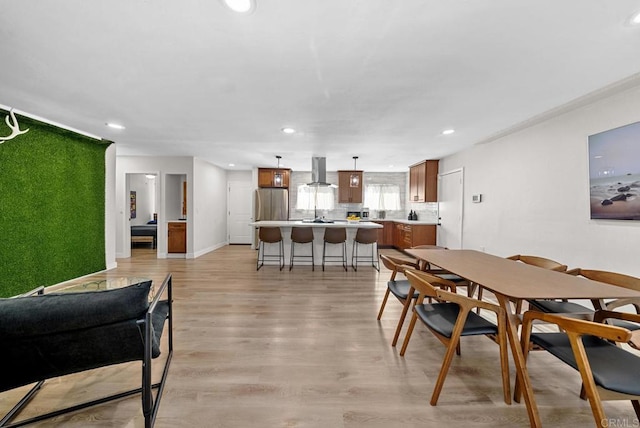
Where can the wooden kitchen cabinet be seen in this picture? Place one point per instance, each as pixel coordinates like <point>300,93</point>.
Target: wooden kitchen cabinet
<point>423,181</point>
<point>266,177</point>
<point>385,235</point>
<point>346,193</point>
<point>177,239</point>
<point>411,235</point>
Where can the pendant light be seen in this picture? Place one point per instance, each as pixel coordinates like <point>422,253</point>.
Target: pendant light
<point>277,177</point>
<point>354,178</point>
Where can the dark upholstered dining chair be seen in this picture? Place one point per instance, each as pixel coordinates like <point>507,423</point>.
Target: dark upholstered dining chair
<point>439,272</point>
<point>608,372</point>
<point>613,278</point>
<point>399,287</point>
<point>451,317</point>
<point>540,262</point>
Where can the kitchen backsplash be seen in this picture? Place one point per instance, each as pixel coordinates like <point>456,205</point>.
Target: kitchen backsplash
<point>426,211</point>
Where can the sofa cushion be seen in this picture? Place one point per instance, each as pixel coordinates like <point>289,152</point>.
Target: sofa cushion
<point>60,334</point>
<point>51,313</point>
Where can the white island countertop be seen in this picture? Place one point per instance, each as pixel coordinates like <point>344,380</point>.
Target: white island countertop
<point>302,223</point>
<point>405,221</point>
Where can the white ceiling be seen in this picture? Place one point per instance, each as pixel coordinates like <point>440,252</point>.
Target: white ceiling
<point>378,79</point>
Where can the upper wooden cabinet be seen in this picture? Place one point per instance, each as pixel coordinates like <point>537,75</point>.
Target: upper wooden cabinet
<point>267,177</point>
<point>423,181</point>
<point>346,192</point>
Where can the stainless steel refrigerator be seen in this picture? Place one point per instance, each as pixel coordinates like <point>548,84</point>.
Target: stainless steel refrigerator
<point>270,204</point>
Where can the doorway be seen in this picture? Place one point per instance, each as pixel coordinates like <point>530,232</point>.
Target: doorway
<point>450,208</point>
<point>142,210</point>
<point>240,206</point>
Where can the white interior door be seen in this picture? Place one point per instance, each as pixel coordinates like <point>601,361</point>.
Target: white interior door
<point>450,209</point>
<point>239,203</point>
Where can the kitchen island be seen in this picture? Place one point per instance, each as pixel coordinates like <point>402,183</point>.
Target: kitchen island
<point>318,238</point>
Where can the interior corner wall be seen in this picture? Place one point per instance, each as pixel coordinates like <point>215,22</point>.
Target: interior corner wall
<point>535,191</point>
<point>209,207</point>
<point>110,207</point>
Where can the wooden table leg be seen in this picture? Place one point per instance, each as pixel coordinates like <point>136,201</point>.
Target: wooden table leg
<point>518,358</point>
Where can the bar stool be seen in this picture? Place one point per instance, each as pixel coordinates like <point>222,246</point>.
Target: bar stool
<point>301,235</point>
<point>270,235</point>
<point>365,236</point>
<point>335,235</point>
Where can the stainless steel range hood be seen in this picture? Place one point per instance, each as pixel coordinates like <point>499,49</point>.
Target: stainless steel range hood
<point>319,172</point>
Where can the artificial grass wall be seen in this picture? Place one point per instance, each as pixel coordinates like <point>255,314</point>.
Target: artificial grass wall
<point>52,203</point>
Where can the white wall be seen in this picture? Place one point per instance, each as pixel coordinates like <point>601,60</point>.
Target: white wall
<point>535,191</point>
<point>209,207</point>
<point>206,201</point>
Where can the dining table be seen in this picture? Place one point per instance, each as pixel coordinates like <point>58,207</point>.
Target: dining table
<point>511,281</point>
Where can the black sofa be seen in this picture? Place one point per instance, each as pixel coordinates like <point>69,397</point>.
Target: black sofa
<point>49,335</point>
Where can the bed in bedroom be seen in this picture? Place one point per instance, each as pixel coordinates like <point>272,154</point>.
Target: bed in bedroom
<point>145,233</point>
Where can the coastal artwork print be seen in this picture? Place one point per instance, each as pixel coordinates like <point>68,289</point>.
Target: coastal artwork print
<point>614,173</point>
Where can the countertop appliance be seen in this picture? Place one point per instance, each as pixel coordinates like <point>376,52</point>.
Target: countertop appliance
<point>270,204</point>
<point>354,213</point>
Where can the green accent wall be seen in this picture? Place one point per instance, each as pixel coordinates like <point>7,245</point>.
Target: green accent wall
<point>52,203</point>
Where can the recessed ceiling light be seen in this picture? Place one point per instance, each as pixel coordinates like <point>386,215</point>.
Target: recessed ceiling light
<point>150,176</point>
<point>598,157</point>
<point>635,19</point>
<point>232,164</point>
<point>114,125</point>
<point>288,130</point>
<point>241,6</point>
<point>448,131</point>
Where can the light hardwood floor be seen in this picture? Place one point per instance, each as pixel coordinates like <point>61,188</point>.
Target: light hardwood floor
<point>304,349</point>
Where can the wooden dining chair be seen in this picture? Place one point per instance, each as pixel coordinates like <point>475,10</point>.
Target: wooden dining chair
<point>450,318</point>
<point>608,372</point>
<point>425,266</point>
<point>534,261</point>
<point>400,288</point>
<point>613,278</point>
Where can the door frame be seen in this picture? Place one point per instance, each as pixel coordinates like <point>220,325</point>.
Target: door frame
<point>126,220</point>
<point>460,224</point>
<point>249,219</point>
